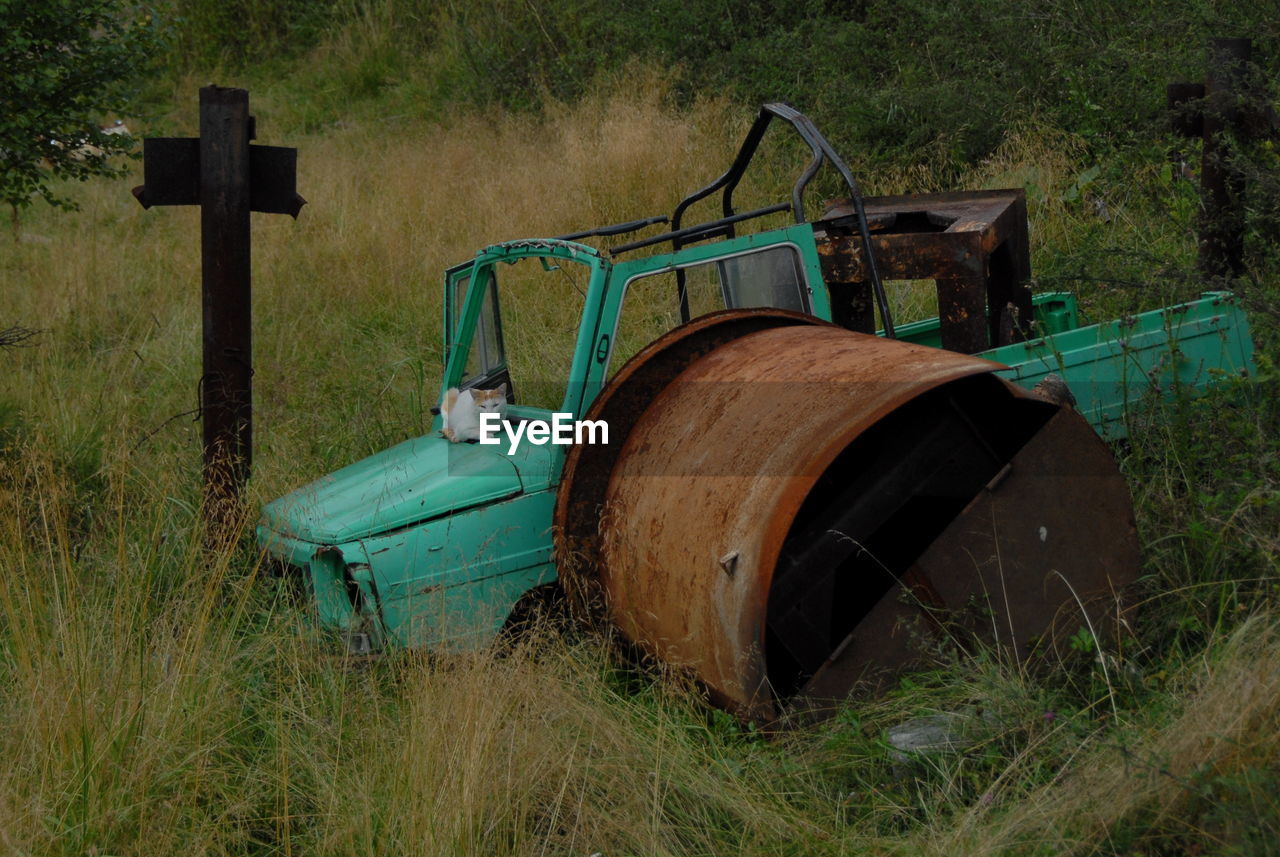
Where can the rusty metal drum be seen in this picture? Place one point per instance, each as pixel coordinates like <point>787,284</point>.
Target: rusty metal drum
<point>792,510</point>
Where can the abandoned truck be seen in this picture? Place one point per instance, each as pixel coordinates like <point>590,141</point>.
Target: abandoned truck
<point>788,497</point>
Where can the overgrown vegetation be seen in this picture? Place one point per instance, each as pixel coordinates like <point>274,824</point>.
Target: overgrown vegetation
<point>69,64</point>
<point>159,697</point>
<point>915,80</point>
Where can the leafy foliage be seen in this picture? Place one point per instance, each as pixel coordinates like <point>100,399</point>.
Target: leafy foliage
<point>69,64</point>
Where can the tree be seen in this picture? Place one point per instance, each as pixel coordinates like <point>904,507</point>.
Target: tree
<point>67,66</point>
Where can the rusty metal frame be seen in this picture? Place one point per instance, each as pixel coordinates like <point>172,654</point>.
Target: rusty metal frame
<point>822,154</point>
<point>974,244</point>
<point>615,229</point>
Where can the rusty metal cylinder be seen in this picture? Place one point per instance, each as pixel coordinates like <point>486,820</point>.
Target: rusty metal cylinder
<point>788,506</point>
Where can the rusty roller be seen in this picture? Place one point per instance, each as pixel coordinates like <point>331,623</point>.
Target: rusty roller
<point>790,509</point>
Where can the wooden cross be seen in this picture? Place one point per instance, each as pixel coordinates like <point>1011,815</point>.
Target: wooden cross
<point>228,178</point>
<point>1212,110</point>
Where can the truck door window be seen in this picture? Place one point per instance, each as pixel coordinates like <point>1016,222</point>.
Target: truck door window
<point>651,307</point>
<point>487,358</point>
<point>771,277</point>
<point>651,304</point>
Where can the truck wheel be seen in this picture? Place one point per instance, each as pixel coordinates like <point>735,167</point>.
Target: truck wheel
<point>542,611</point>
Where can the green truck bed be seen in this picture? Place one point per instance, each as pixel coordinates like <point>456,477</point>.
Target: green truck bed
<point>1117,362</point>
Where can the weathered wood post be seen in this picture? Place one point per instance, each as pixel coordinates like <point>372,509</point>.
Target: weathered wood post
<point>1216,119</point>
<point>227,392</point>
<point>227,178</point>
<point>1222,235</point>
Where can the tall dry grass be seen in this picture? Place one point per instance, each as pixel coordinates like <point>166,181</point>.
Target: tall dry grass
<point>159,699</point>
<point>1219,723</point>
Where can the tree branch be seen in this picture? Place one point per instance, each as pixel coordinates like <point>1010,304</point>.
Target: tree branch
<point>17,336</point>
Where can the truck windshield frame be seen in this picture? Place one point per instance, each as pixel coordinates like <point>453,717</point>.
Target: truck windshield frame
<point>463,322</point>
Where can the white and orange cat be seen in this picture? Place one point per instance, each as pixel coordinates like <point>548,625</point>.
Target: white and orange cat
<point>462,410</point>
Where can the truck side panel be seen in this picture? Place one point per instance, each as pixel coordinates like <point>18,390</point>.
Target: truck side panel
<point>1110,366</point>
<point>453,582</point>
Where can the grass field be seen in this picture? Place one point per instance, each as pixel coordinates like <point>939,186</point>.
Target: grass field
<point>159,698</point>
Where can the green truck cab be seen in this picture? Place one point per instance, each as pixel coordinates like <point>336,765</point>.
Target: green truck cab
<point>437,544</point>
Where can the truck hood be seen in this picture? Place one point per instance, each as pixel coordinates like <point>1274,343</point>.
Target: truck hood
<point>419,479</point>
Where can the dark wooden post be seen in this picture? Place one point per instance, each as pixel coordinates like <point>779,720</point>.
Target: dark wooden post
<point>1216,118</point>
<point>227,178</point>
<point>1222,231</point>
<point>226,396</point>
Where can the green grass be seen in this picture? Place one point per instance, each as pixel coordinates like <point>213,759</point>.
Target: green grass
<point>161,697</point>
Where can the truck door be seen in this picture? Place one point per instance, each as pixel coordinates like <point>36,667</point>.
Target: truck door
<point>487,361</point>
<point>529,312</point>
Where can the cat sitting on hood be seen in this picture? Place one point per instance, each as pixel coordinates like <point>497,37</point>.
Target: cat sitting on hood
<point>462,410</point>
